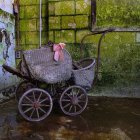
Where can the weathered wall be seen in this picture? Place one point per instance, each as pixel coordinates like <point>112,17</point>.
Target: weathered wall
<point>29,23</point>
<point>7,54</point>
<point>64,21</point>
<point>7,5</point>
<point>68,21</point>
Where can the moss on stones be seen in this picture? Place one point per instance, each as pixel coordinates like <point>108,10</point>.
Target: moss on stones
<point>28,25</point>
<point>28,2</point>
<point>54,23</point>
<point>64,8</point>
<point>51,8</point>
<point>80,34</point>
<point>51,35</point>
<point>22,38</point>
<point>66,36</point>
<point>32,38</point>
<point>22,12</point>
<point>81,21</point>
<point>44,11</point>
<point>82,7</point>
<point>32,11</point>
<point>68,22</point>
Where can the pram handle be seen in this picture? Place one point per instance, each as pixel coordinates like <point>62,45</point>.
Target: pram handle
<point>99,47</point>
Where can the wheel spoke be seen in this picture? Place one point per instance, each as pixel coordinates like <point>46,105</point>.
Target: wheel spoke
<point>39,97</point>
<point>44,105</point>
<point>81,101</point>
<point>37,112</point>
<point>79,106</point>
<point>66,105</point>
<point>68,95</point>
<point>32,113</point>
<point>70,108</point>
<point>72,93</point>
<point>77,92</point>
<point>43,100</point>
<point>27,110</point>
<point>42,110</point>
<point>66,100</point>
<point>29,99</point>
<point>26,104</point>
<point>79,97</point>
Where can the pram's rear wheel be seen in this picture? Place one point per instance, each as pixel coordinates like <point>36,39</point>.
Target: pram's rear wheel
<point>35,104</point>
<point>73,100</point>
<point>22,87</point>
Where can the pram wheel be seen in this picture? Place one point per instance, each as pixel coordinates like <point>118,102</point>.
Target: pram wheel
<point>35,104</point>
<point>73,100</point>
<point>21,88</point>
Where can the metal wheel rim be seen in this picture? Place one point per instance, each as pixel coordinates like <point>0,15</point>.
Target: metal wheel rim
<point>69,104</point>
<point>32,91</point>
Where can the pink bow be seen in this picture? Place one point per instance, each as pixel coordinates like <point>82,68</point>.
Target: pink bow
<point>57,48</point>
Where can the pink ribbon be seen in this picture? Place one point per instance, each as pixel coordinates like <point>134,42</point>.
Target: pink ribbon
<point>58,55</point>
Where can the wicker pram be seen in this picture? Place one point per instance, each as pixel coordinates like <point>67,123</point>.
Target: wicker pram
<point>35,102</point>
<point>39,64</point>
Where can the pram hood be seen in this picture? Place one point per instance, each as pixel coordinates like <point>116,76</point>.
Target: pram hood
<point>42,66</point>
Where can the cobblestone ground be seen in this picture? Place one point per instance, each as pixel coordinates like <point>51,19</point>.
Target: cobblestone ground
<point>104,119</point>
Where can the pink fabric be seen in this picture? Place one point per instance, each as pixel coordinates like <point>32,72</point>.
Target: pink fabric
<point>57,48</point>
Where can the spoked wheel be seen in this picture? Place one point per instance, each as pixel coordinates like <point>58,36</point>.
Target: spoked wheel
<point>73,100</point>
<point>35,104</point>
<point>21,88</point>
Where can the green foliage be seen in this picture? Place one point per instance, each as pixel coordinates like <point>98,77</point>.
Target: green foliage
<point>120,13</point>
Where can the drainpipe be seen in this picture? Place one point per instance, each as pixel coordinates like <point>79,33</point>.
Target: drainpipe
<point>40,29</point>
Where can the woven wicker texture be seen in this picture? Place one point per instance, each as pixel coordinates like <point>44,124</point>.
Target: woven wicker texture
<point>42,66</point>
<point>84,75</point>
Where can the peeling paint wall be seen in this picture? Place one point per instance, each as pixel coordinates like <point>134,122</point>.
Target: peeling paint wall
<point>7,54</point>
<point>6,5</point>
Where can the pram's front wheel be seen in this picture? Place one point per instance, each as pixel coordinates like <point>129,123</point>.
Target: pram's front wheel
<point>35,104</point>
<point>73,100</point>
